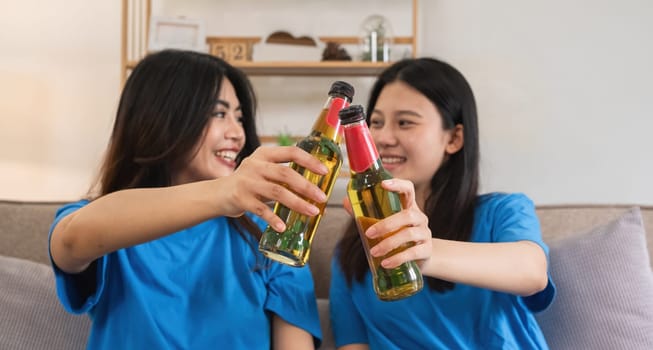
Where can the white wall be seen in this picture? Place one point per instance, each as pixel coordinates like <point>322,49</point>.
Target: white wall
<point>563,88</point>
<point>59,82</point>
<point>564,93</point>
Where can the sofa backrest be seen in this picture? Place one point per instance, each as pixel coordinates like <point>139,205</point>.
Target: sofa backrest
<point>24,227</point>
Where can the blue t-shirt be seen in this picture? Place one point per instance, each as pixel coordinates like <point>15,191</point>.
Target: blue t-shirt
<point>463,318</point>
<point>204,287</point>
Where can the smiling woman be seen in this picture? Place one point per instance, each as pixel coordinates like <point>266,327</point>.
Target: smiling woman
<point>422,118</point>
<point>182,196</point>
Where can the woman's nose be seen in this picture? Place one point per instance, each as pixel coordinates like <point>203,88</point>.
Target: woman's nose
<point>383,136</point>
<point>235,129</point>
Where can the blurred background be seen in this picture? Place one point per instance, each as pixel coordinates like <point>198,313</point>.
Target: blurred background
<point>563,88</point>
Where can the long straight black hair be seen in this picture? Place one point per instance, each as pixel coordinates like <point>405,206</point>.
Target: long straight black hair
<point>163,111</point>
<point>454,186</point>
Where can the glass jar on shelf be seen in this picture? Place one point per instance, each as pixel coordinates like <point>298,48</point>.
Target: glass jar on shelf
<point>376,39</point>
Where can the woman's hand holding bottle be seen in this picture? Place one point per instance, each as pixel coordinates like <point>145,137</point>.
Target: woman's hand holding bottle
<point>264,176</point>
<point>411,226</point>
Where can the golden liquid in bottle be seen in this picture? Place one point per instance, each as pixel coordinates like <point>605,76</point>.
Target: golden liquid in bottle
<point>370,203</point>
<point>293,246</point>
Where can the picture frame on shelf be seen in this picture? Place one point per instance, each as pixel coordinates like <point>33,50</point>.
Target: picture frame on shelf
<point>176,33</point>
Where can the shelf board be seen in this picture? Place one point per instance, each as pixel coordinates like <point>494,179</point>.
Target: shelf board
<point>307,68</point>
<point>354,40</point>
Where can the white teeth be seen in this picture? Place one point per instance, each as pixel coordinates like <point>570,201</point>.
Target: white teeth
<point>392,160</point>
<point>229,155</point>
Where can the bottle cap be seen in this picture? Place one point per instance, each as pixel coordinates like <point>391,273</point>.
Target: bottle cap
<point>351,114</point>
<point>343,88</point>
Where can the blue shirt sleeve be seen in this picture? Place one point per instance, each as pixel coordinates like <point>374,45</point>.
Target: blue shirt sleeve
<point>291,294</point>
<point>346,322</point>
<point>516,220</point>
<point>73,295</point>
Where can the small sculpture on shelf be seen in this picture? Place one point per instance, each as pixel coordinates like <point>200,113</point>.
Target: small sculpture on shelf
<point>333,52</point>
<point>283,37</point>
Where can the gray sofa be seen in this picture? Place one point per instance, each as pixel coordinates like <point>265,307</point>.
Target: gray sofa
<point>600,262</point>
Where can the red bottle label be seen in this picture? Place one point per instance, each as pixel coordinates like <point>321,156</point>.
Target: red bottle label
<point>337,104</point>
<point>361,150</point>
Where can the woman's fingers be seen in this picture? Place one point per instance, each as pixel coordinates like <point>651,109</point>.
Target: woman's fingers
<point>266,161</point>
<point>407,244</point>
<point>412,217</point>
<point>418,252</point>
<point>286,154</point>
<point>407,229</point>
<point>261,177</point>
<point>405,188</point>
<point>292,181</point>
<point>407,235</point>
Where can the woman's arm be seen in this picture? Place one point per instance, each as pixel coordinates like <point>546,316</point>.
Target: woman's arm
<point>354,347</point>
<point>285,336</point>
<point>514,267</point>
<point>129,217</point>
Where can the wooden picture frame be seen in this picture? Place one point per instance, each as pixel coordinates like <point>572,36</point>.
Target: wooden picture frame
<point>176,33</point>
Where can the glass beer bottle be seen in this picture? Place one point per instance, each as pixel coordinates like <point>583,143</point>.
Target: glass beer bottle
<point>293,246</point>
<point>371,202</point>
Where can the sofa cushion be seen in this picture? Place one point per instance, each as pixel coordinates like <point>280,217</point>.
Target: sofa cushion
<point>604,288</point>
<point>560,221</point>
<point>31,316</point>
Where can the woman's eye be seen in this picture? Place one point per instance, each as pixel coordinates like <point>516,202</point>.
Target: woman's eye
<point>375,123</point>
<point>405,123</point>
<point>240,119</point>
<point>219,114</point>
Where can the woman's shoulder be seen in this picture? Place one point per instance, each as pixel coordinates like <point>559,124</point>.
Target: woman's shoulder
<point>70,207</point>
<point>503,201</point>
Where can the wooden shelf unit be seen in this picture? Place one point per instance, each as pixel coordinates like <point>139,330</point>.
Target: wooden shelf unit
<point>132,8</point>
<point>271,68</point>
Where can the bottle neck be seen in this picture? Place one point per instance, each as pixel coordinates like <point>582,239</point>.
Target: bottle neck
<point>327,124</point>
<point>361,151</point>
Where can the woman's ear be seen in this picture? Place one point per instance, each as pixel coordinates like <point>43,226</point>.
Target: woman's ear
<point>456,141</point>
